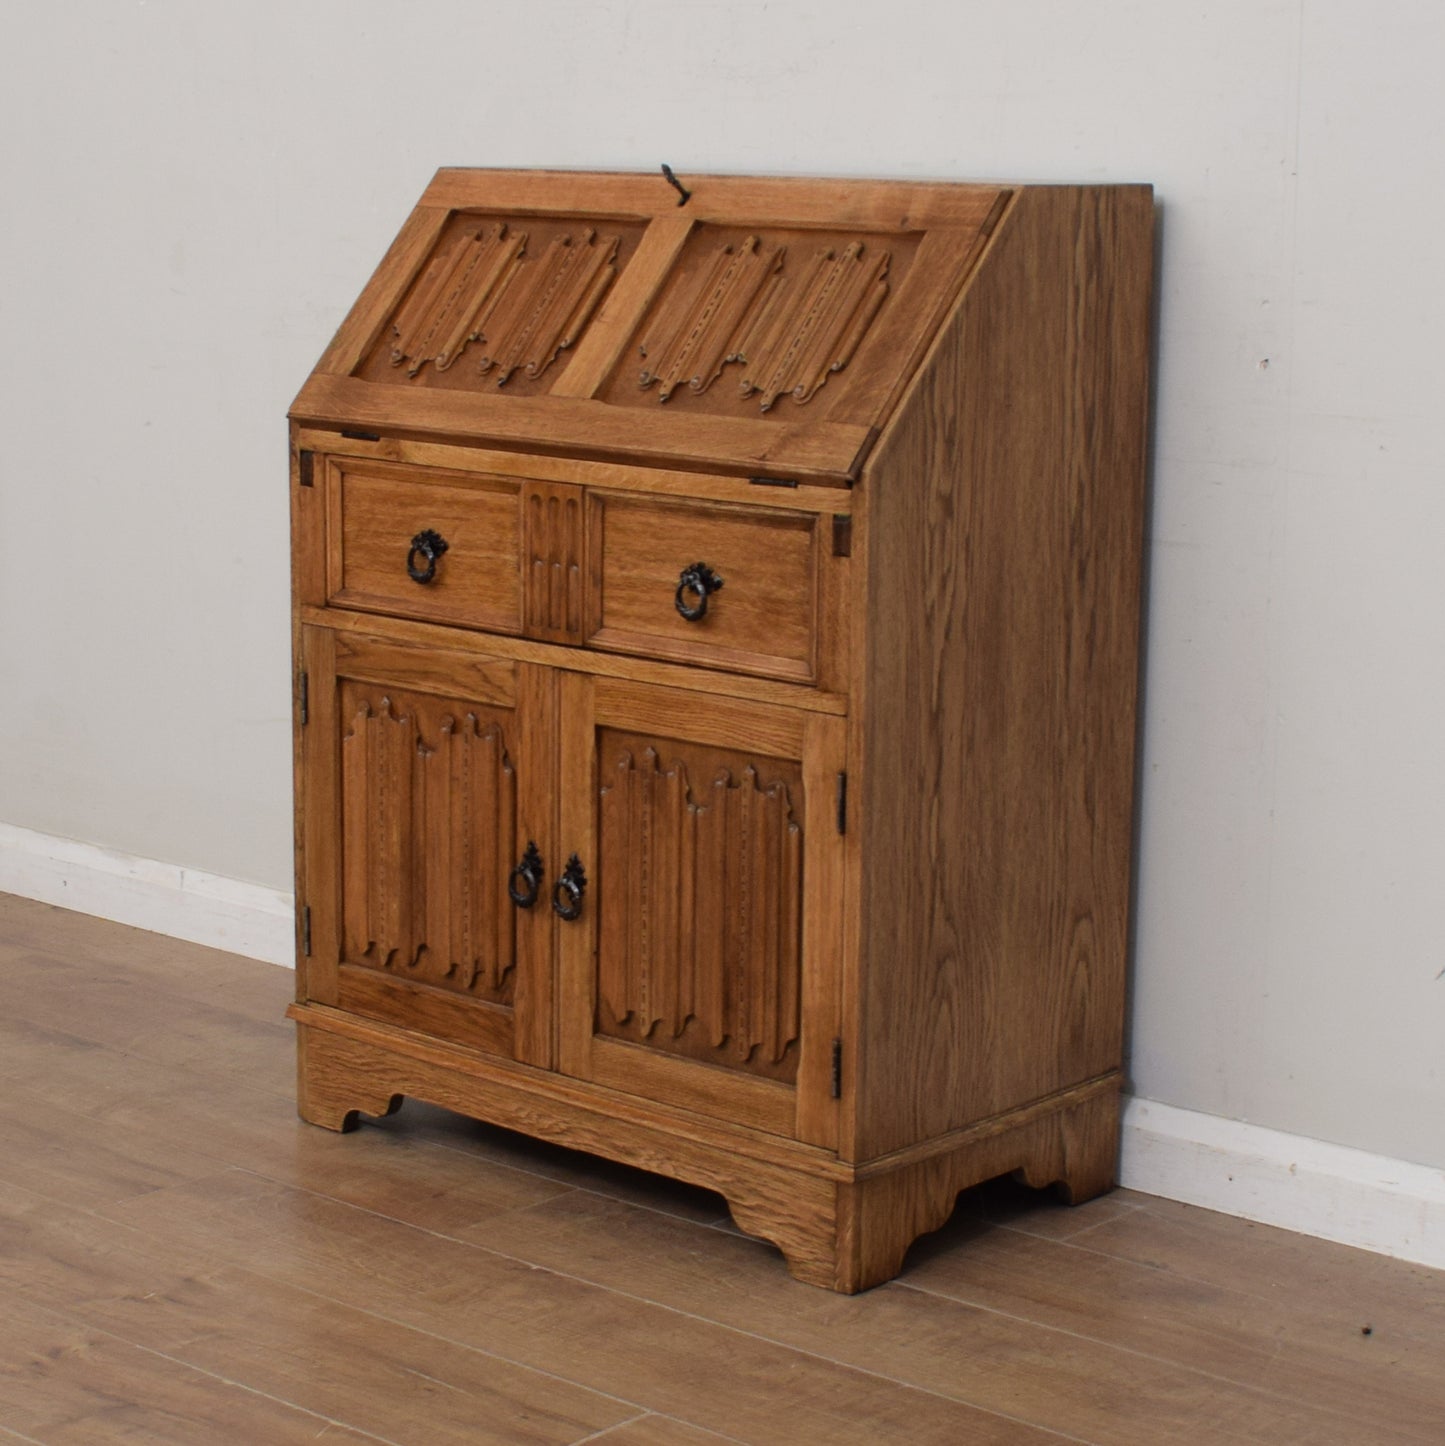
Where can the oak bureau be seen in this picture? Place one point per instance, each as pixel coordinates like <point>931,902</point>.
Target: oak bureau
<point>716,619</point>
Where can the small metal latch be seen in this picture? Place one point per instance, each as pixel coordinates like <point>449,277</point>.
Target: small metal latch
<point>676,185</point>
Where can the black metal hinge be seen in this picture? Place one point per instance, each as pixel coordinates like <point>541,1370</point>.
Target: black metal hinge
<point>842,535</point>
<point>306,930</point>
<point>306,468</point>
<point>842,801</point>
<point>837,1069</point>
<point>304,699</point>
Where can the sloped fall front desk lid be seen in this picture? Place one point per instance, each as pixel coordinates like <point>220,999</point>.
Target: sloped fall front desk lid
<point>761,326</point>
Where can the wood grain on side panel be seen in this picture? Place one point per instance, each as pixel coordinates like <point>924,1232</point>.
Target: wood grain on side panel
<point>1004,511</point>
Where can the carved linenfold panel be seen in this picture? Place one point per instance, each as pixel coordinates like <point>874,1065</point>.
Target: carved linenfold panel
<point>510,300</point>
<point>428,798</point>
<point>700,890</point>
<point>453,296</point>
<point>689,342</point>
<point>785,318</point>
<point>552,542</point>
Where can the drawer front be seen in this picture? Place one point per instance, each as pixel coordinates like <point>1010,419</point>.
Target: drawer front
<point>753,607</point>
<point>425,543</point>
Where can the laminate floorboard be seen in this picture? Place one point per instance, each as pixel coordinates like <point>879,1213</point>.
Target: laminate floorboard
<point>181,1259</point>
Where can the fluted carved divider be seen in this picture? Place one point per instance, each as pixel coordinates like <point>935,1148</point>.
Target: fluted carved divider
<point>700,933</point>
<point>552,538</point>
<point>429,835</point>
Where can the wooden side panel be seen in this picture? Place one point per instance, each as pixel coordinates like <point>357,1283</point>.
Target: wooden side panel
<point>1004,521</point>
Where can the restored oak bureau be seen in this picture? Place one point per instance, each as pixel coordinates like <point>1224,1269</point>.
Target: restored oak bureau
<point>716,625</point>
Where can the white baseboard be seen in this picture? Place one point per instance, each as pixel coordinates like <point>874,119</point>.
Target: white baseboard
<point>165,898</point>
<point>1328,1191</point>
<point>1318,1189</point>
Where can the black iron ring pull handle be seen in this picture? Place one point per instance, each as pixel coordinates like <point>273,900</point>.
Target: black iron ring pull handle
<point>526,879</point>
<point>429,545</point>
<point>693,588</point>
<point>568,890</point>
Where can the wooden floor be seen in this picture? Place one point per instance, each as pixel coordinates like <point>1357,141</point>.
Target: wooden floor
<point>181,1260</point>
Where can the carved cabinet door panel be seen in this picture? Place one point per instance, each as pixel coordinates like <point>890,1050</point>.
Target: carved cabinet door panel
<point>426,776</point>
<point>700,936</point>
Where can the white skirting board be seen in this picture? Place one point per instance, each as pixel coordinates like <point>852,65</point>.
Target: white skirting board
<point>1329,1191</point>
<point>1349,1196</point>
<point>164,898</point>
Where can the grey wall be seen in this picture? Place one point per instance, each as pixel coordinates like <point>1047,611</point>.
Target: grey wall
<point>194,193</point>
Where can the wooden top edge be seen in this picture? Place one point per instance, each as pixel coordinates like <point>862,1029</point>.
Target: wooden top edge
<point>749,178</point>
<point>917,183</point>
<point>452,175</point>
<point>832,200</point>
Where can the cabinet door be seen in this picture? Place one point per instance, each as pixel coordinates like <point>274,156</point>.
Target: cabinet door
<point>425,777</point>
<point>702,967</point>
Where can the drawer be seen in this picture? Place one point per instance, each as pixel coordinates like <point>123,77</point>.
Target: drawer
<point>425,543</point>
<point>754,608</point>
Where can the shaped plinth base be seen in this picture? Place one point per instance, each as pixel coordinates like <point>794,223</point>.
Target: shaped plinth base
<point>839,1226</point>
